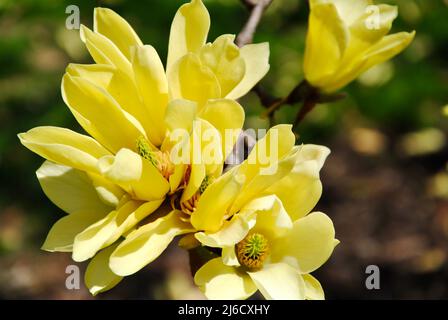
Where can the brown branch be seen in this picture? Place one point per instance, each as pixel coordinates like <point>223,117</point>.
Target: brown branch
<point>257,8</point>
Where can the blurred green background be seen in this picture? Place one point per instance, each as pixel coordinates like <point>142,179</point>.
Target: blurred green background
<point>385,184</point>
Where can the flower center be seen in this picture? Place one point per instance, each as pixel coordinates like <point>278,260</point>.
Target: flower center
<point>252,251</point>
<point>189,206</point>
<point>160,160</point>
<point>205,183</point>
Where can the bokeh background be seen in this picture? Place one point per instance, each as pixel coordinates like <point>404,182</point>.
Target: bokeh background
<point>385,183</point>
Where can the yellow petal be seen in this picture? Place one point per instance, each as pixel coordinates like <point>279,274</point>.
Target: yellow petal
<point>215,201</point>
<point>120,86</point>
<point>136,175</point>
<point>100,115</point>
<point>385,49</point>
<point>190,79</point>
<point>104,51</point>
<point>197,175</point>
<point>263,180</point>
<point>188,242</point>
<point>309,243</point>
<point>349,10</point>
<point>176,178</point>
<point>145,244</point>
<point>70,189</point>
<point>206,157</point>
<point>64,146</point>
<point>62,234</point>
<point>220,282</point>
<point>256,60</point>
<point>98,277</point>
<point>264,214</point>
<point>189,30</point>
<point>108,192</point>
<point>227,116</point>
<point>272,219</point>
<point>115,28</point>
<point>229,234</point>
<point>279,282</point>
<point>313,289</point>
<point>152,86</point>
<point>315,153</point>
<point>109,229</point>
<point>180,114</point>
<point>276,144</point>
<point>364,31</point>
<point>229,257</point>
<point>223,58</point>
<point>300,190</point>
<point>326,42</point>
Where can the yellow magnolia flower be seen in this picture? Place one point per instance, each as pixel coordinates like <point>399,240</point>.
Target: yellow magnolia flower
<point>110,181</point>
<point>271,182</point>
<point>262,249</point>
<point>258,217</point>
<point>346,38</point>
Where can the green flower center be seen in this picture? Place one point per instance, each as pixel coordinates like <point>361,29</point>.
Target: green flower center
<point>144,150</point>
<point>160,160</point>
<point>205,183</point>
<point>252,251</point>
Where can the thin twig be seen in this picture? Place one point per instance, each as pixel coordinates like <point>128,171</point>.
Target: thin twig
<point>308,105</point>
<point>257,9</point>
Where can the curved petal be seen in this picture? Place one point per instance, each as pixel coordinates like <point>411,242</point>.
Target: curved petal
<point>229,257</point>
<point>180,115</point>
<point>308,245</point>
<point>190,79</point>
<point>62,234</point>
<point>100,115</point>
<point>313,289</point>
<point>152,86</point>
<point>276,144</point>
<point>265,178</point>
<point>70,189</point>
<point>98,277</point>
<point>264,214</point>
<point>215,201</point>
<point>109,229</point>
<point>206,157</point>
<point>224,59</point>
<point>118,85</point>
<point>115,28</point>
<point>136,175</point>
<point>229,234</point>
<point>326,41</point>
<point>256,60</point>
<point>369,29</point>
<point>272,219</point>
<point>104,51</point>
<point>220,282</point>
<point>349,10</point>
<point>385,49</point>
<point>279,282</point>
<point>227,116</point>
<point>300,190</point>
<point>108,192</point>
<point>64,146</point>
<point>145,244</point>
<point>189,30</point>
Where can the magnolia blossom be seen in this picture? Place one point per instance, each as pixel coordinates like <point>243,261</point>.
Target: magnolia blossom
<point>131,105</point>
<point>346,38</point>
